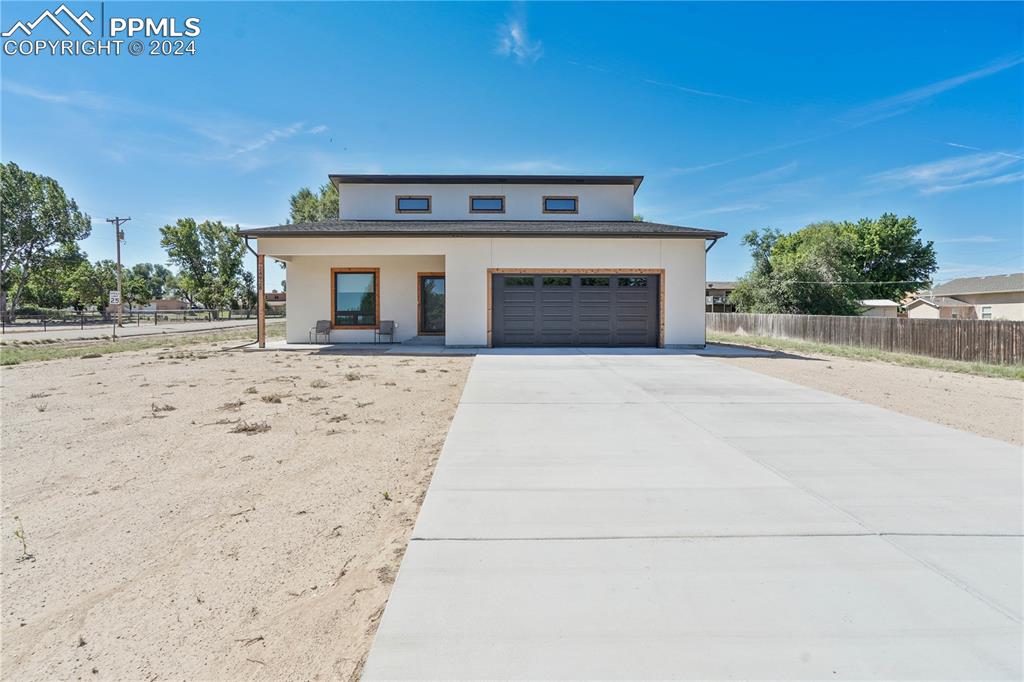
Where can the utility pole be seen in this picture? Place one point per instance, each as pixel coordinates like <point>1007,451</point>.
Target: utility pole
<point>118,238</point>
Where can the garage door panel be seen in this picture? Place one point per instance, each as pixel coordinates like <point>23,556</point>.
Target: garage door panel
<point>566,310</point>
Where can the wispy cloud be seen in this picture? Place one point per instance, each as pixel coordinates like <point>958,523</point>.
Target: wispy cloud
<point>875,112</point>
<point>734,208</point>
<point>79,98</point>
<point>694,91</point>
<point>979,149</point>
<point>514,41</point>
<point>529,166</point>
<point>217,136</point>
<point>973,239</point>
<point>905,101</point>
<point>959,172</point>
<point>269,137</point>
<point>28,91</point>
<point>660,83</point>
<point>773,174</point>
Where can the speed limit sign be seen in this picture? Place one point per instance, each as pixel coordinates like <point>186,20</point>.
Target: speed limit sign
<point>115,298</point>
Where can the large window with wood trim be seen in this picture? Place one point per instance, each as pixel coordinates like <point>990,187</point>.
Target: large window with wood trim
<point>355,298</point>
<point>412,204</point>
<point>561,204</point>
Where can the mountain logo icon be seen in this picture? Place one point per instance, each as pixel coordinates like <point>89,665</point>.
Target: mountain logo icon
<point>77,20</point>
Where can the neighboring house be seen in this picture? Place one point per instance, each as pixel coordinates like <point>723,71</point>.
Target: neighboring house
<point>164,304</point>
<point>879,307</point>
<point>276,298</point>
<point>483,260</point>
<point>939,307</point>
<point>716,297</point>
<point>997,297</point>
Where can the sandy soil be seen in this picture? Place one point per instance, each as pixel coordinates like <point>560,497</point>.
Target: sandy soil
<point>986,406</point>
<point>166,546</point>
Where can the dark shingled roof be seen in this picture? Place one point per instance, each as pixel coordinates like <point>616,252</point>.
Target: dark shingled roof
<point>482,228</point>
<point>981,285</point>
<point>353,178</point>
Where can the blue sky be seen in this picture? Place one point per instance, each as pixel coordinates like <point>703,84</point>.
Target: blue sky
<point>740,116</point>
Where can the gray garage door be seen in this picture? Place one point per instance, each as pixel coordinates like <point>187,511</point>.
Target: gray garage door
<point>575,310</point>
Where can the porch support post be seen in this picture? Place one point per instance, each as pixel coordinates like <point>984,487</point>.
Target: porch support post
<point>261,315</point>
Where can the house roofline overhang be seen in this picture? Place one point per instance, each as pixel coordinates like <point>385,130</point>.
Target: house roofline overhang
<point>417,179</point>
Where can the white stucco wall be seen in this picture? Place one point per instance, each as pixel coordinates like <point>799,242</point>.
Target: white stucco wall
<point>451,202</point>
<point>465,262</point>
<point>309,293</point>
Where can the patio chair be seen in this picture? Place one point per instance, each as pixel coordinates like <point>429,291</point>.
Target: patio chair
<point>322,328</point>
<point>386,328</point>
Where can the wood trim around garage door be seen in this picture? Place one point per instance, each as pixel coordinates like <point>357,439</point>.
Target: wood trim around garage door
<point>419,302</point>
<point>660,272</point>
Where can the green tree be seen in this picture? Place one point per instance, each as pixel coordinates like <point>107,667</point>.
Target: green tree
<point>309,207</point>
<point>135,290</point>
<point>90,284</point>
<point>46,287</point>
<point>246,294</point>
<point>37,220</point>
<point>826,268</point>
<point>209,256</point>
<point>157,278</point>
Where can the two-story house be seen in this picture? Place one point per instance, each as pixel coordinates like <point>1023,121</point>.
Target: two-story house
<point>484,260</point>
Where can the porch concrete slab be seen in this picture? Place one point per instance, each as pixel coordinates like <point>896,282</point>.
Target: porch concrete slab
<point>725,608</point>
<point>591,517</point>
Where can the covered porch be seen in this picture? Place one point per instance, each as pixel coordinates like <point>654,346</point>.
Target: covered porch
<point>356,299</point>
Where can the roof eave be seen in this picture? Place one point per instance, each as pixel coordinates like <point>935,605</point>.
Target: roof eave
<point>459,179</point>
<point>258,234</point>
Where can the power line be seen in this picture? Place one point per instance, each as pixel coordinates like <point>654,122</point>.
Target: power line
<point>898,281</point>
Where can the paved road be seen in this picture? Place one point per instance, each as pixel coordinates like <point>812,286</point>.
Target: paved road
<point>674,517</point>
<point>100,331</point>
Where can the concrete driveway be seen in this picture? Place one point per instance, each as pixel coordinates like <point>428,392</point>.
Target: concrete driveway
<point>670,516</point>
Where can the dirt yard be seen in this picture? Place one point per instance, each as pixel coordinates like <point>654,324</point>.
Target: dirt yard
<point>986,406</point>
<point>198,514</point>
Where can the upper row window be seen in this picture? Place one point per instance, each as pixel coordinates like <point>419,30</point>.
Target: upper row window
<point>486,204</point>
<point>412,204</point>
<point>561,204</point>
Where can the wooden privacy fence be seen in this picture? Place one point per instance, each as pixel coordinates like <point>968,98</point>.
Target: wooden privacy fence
<point>992,341</point>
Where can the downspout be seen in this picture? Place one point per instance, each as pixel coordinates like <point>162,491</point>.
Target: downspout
<point>260,298</point>
<point>711,245</point>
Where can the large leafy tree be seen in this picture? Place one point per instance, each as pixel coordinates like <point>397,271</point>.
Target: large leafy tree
<point>158,279</point>
<point>826,268</point>
<point>37,221</point>
<point>209,256</point>
<point>307,206</point>
<point>47,285</point>
<point>89,284</point>
<point>135,290</point>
